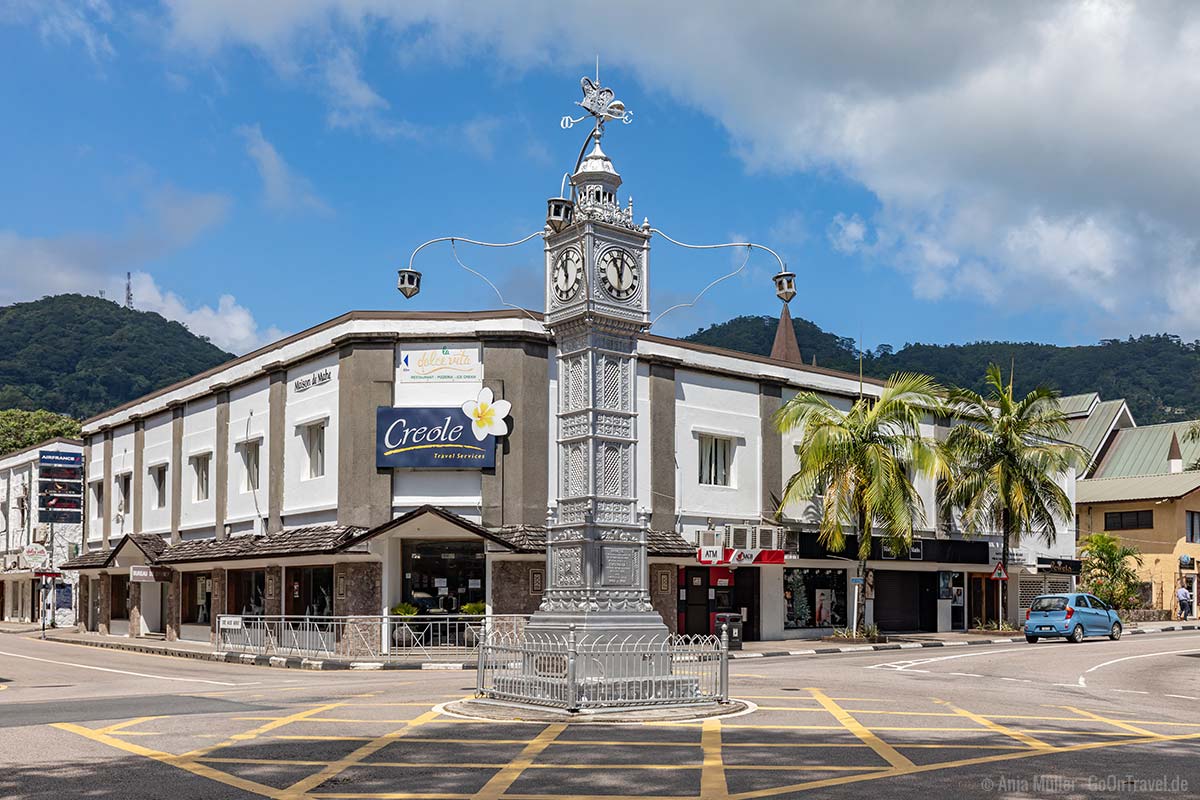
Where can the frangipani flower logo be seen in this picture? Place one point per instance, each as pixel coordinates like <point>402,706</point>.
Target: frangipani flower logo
<point>487,415</point>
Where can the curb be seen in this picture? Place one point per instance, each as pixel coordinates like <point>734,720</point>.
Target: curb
<point>330,664</point>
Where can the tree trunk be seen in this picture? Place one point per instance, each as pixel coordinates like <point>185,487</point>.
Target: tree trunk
<point>864,552</point>
<point>1006,533</point>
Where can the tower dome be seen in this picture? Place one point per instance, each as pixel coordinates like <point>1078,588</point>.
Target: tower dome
<point>595,183</point>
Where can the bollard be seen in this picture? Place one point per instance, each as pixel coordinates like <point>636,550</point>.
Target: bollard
<point>572,651</point>
<point>481,662</point>
<point>724,663</point>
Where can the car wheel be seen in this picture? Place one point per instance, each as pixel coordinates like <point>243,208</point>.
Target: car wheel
<point>1031,639</point>
<point>1115,633</point>
<point>1076,635</point>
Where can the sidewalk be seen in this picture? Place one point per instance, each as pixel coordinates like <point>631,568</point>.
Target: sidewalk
<point>32,627</point>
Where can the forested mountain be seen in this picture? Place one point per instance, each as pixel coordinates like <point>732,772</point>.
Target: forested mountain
<point>80,355</point>
<point>1158,375</point>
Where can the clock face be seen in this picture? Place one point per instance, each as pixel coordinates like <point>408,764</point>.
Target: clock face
<point>619,273</point>
<point>568,269</point>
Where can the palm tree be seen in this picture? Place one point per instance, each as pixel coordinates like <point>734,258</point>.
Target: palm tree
<point>1108,569</point>
<point>1007,457</point>
<point>857,463</point>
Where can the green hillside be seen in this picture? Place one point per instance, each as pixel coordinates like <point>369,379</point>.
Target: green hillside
<point>80,355</point>
<point>1156,374</point>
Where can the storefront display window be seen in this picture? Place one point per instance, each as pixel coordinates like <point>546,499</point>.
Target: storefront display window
<point>309,591</point>
<point>197,598</point>
<point>247,590</point>
<point>439,577</point>
<point>119,606</point>
<point>815,598</point>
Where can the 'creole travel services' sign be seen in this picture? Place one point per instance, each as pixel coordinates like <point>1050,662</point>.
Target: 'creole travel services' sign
<point>441,438</point>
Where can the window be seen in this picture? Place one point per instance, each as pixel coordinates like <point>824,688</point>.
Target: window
<point>716,455</point>
<point>250,465</point>
<point>314,443</point>
<point>197,597</point>
<point>200,466</point>
<point>98,500</point>
<point>158,477</point>
<point>124,490</point>
<point>1193,527</point>
<point>1128,520</point>
<point>1082,602</point>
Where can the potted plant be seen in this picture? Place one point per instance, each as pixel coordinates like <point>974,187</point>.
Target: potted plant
<point>471,627</point>
<point>402,634</point>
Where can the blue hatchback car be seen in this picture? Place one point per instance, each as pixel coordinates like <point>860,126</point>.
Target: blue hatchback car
<point>1071,617</point>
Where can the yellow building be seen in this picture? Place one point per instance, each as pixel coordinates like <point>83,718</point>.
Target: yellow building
<point>1158,512</point>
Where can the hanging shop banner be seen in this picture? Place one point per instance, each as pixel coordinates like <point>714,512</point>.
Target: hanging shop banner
<point>1060,566</point>
<point>440,364</point>
<point>441,438</point>
<point>60,487</point>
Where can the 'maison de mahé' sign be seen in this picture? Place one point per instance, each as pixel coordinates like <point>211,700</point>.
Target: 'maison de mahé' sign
<point>430,438</point>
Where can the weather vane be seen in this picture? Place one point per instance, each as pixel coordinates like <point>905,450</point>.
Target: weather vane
<point>600,103</point>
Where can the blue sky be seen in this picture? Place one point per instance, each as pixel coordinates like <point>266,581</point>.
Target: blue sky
<point>263,167</point>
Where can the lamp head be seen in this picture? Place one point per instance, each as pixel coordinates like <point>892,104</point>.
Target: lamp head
<point>408,282</point>
<point>785,286</point>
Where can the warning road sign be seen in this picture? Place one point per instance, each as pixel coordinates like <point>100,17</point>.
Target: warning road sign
<point>999,573</point>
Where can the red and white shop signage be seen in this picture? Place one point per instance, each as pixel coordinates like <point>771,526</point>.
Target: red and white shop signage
<point>714,556</point>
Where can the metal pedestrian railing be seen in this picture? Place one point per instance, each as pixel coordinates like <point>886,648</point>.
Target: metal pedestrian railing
<point>383,638</point>
<point>580,673</point>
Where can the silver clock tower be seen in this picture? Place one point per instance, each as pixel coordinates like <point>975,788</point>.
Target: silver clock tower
<point>597,304</point>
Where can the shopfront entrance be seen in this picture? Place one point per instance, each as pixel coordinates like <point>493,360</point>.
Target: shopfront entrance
<point>814,598</point>
<point>440,577</point>
<point>906,600</point>
<point>309,591</point>
<point>984,600</point>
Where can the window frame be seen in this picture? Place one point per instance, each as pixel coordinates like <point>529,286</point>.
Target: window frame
<point>1191,527</point>
<point>158,478</point>
<point>251,478</point>
<point>703,471</point>
<point>1133,520</point>
<point>201,479</point>
<point>311,433</point>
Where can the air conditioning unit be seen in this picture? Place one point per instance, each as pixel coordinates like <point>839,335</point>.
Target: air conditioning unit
<point>767,537</point>
<point>738,536</point>
<point>710,538</point>
<point>41,534</point>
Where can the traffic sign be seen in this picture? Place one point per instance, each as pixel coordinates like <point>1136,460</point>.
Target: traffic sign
<point>856,581</point>
<point>36,555</point>
<point>999,573</point>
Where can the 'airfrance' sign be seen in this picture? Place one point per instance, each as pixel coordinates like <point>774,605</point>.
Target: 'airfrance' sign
<point>430,438</point>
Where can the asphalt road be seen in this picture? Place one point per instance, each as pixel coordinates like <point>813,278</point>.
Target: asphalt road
<point>1099,719</point>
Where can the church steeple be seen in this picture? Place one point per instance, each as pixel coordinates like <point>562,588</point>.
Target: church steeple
<point>786,348</point>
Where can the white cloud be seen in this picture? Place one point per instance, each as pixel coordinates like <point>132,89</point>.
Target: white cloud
<point>65,22</point>
<point>847,233</point>
<point>87,263</point>
<point>284,190</point>
<point>1007,146</point>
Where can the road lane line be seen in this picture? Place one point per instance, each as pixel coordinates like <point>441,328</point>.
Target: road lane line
<point>884,750</point>
<point>172,760</point>
<point>1181,696</point>
<point>995,727</point>
<point>1143,655</point>
<point>712,776</point>
<point>1114,722</point>
<point>906,666</point>
<point>127,672</point>
<point>503,780</point>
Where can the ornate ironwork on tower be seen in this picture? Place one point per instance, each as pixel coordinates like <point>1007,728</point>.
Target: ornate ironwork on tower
<point>597,303</point>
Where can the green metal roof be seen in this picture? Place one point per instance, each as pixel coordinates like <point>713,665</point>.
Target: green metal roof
<point>1090,431</point>
<point>1142,487</point>
<point>1143,450</point>
<point>1077,405</point>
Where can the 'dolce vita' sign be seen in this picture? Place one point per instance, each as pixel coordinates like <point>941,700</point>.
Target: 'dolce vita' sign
<point>441,438</point>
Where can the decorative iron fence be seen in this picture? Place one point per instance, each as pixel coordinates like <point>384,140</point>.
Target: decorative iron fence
<point>579,673</point>
<point>363,638</point>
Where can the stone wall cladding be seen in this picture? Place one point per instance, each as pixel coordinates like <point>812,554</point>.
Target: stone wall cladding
<point>174,597</point>
<point>218,601</point>
<point>273,601</point>
<point>363,581</point>
<point>105,615</point>
<point>510,586</point>
<point>82,599</point>
<point>665,602</point>
<point>135,608</point>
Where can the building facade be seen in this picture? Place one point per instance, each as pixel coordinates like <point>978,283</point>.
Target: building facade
<point>25,476</point>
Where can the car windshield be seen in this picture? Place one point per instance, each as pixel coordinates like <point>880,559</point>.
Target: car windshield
<point>1050,604</point>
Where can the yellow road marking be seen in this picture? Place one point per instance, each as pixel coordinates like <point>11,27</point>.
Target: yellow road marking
<point>712,776</point>
<point>882,748</point>
<point>1114,722</point>
<point>299,738</point>
<point>1076,733</point>
<point>966,762</point>
<point>1021,736</point>
<point>505,778</point>
<point>871,711</point>
<point>302,787</point>
<point>281,721</point>
<point>173,760</point>
<point>129,723</point>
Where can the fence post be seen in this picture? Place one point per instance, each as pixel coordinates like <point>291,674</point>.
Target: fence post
<point>481,662</point>
<point>724,663</point>
<point>572,690</point>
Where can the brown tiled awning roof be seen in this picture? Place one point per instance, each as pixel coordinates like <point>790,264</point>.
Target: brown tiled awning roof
<point>309,540</point>
<point>532,539</point>
<point>92,560</point>
<point>151,545</point>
